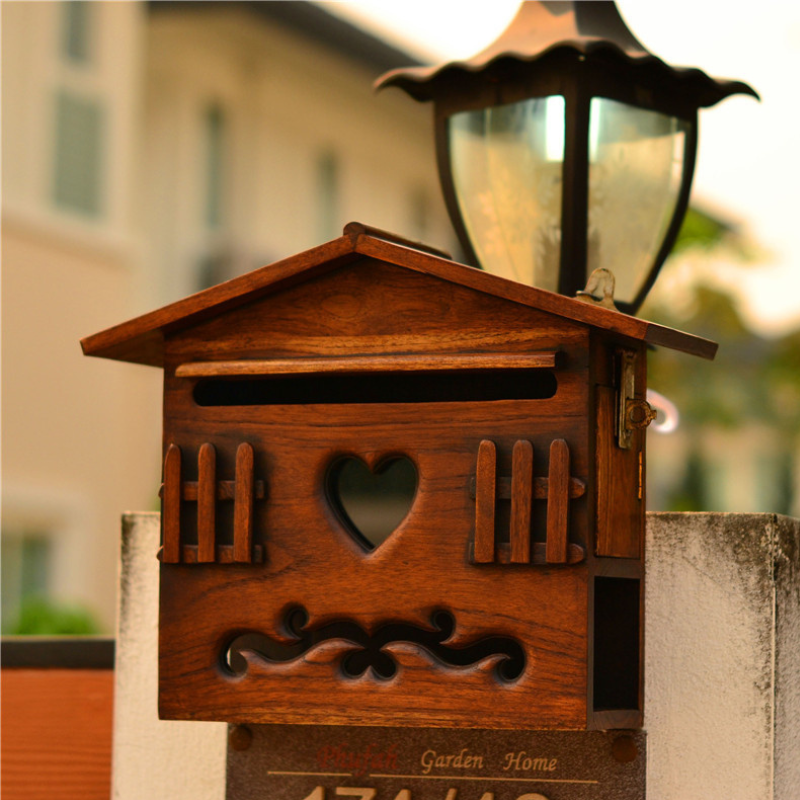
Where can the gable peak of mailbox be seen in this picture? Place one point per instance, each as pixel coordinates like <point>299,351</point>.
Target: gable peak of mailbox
<point>141,340</point>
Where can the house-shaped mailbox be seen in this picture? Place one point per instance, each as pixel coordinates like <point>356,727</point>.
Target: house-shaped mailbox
<point>510,593</point>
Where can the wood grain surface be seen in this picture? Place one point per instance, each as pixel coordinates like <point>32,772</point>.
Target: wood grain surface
<point>558,503</point>
<point>206,503</point>
<point>366,364</point>
<point>485,477</point>
<point>369,348</point>
<point>521,498</point>
<point>171,505</point>
<point>56,734</point>
<point>243,505</point>
<point>365,310</point>
<point>282,374</point>
<point>141,340</point>
<point>619,478</point>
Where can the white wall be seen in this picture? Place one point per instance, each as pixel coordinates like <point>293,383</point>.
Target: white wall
<point>722,702</point>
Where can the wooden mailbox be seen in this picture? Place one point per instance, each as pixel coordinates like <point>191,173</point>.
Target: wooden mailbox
<point>510,593</point>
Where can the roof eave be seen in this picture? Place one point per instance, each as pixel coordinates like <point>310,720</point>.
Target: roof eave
<point>140,340</point>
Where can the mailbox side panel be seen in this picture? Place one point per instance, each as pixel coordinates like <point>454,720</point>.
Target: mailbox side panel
<point>619,372</point>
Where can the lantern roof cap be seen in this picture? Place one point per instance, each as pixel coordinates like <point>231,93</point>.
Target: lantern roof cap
<point>588,29</point>
<point>141,340</point>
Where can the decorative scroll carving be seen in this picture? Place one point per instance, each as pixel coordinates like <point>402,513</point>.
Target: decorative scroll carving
<point>362,650</point>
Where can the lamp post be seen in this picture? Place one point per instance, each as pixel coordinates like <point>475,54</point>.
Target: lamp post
<point>566,147</point>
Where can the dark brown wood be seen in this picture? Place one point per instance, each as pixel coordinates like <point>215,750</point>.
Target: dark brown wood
<point>226,490</point>
<point>441,317</point>
<point>311,560</point>
<point>368,364</point>
<point>566,307</point>
<point>626,719</point>
<point>423,566</point>
<point>206,503</point>
<point>279,762</point>
<point>620,486</point>
<point>618,568</point>
<point>575,554</point>
<point>484,503</point>
<point>57,734</point>
<point>171,505</point>
<point>521,498</point>
<point>243,505</point>
<point>493,478</point>
<point>558,503</point>
<point>577,488</point>
<point>141,340</point>
<point>223,554</point>
<point>356,229</point>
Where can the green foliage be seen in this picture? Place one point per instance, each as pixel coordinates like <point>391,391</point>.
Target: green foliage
<point>692,493</point>
<point>752,378</point>
<point>785,484</point>
<point>699,230</point>
<point>40,617</point>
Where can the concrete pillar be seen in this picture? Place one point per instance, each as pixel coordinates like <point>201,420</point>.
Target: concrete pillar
<point>154,759</point>
<point>722,693</point>
<point>722,656</point>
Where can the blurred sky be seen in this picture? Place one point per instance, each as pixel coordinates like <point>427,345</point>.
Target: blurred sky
<point>748,168</point>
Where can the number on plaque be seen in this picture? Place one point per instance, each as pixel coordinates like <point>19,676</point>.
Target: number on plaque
<point>355,791</point>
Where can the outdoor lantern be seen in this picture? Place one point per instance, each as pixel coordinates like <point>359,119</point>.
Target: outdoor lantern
<point>566,147</point>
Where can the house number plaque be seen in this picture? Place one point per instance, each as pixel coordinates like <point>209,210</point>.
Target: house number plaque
<point>319,762</point>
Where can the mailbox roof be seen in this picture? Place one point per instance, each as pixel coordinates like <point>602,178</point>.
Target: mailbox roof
<point>141,340</point>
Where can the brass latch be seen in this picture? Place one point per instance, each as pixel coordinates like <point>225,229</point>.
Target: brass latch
<point>639,413</point>
<point>632,412</point>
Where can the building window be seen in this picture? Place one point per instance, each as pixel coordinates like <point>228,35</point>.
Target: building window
<point>78,156</point>
<point>328,222</point>
<point>215,166</point>
<point>26,573</point>
<point>76,31</point>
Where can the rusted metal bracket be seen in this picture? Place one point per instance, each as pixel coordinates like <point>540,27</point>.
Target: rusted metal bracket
<point>632,412</point>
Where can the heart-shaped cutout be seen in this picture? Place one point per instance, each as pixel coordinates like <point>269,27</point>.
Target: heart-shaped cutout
<point>372,503</point>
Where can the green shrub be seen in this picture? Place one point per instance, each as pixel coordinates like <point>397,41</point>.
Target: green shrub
<point>40,617</point>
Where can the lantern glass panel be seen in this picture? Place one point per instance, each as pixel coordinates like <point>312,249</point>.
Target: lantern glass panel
<point>635,171</point>
<point>507,163</point>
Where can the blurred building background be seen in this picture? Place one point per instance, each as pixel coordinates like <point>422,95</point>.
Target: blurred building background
<point>153,149</point>
<point>737,446</point>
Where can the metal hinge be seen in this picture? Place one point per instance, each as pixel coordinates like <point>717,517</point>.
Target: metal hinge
<point>632,412</point>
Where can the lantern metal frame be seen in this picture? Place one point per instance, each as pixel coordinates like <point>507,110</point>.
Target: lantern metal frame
<point>580,51</point>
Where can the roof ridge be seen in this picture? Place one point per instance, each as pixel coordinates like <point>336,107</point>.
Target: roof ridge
<point>140,340</point>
